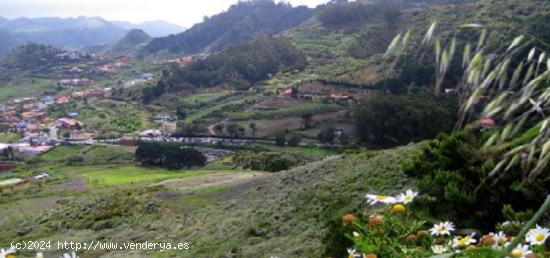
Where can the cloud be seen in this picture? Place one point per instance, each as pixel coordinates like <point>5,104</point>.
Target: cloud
<point>183,12</point>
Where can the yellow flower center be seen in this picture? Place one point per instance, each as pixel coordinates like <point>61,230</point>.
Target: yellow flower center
<point>539,238</point>
<point>408,198</point>
<point>381,197</point>
<point>517,253</point>
<point>398,209</point>
<point>441,229</point>
<point>463,241</point>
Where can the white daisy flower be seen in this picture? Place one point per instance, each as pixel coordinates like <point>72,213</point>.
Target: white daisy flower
<point>499,238</point>
<point>464,241</point>
<point>442,229</point>
<point>352,253</point>
<point>406,197</point>
<point>374,199</point>
<point>355,234</point>
<point>521,251</point>
<point>72,255</point>
<point>4,253</point>
<point>537,236</point>
<point>439,249</point>
<point>39,255</point>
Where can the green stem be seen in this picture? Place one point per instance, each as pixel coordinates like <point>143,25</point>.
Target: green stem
<point>543,208</point>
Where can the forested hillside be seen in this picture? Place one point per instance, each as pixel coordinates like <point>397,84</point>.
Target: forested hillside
<point>346,41</point>
<point>241,22</point>
<point>130,43</point>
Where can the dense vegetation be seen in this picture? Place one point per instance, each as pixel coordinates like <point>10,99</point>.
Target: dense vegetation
<point>354,14</point>
<point>238,66</point>
<point>265,161</point>
<point>129,44</point>
<point>31,56</point>
<point>168,155</point>
<point>243,65</point>
<point>389,120</point>
<point>452,169</point>
<point>242,22</point>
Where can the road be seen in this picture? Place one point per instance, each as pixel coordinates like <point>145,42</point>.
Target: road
<point>53,132</point>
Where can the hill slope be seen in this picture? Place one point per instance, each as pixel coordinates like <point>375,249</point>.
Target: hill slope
<point>284,214</point>
<point>153,28</point>
<point>240,23</point>
<point>133,40</point>
<point>346,47</point>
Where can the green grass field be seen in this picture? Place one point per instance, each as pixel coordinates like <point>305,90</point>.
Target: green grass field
<point>205,97</point>
<point>121,175</point>
<point>306,108</point>
<point>62,152</point>
<point>310,152</point>
<point>9,137</point>
<point>25,87</point>
<point>203,112</point>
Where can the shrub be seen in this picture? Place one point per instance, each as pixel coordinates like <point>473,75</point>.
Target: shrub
<point>168,155</point>
<point>71,160</point>
<point>327,135</point>
<point>265,161</point>
<point>294,140</point>
<point>394,231</point>
<point>452,169</point>
<point>389,120</point>
<point>280,138</point>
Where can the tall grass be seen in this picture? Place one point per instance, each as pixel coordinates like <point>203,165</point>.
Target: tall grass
<point>517,84</point>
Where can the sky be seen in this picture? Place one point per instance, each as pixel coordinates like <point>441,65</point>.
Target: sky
<point>181,12</point>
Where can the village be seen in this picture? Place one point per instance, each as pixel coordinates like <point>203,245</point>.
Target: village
<point>40,127</point>
<point>30,119</point>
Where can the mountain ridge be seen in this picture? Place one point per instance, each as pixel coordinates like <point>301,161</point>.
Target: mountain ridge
<point>240,23</point>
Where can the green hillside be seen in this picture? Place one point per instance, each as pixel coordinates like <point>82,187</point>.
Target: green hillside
<point>284,214</point>
<point>130,43</point>
<point>240,23</point>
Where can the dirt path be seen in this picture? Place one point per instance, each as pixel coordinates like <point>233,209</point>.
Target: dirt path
<point>211,127</point>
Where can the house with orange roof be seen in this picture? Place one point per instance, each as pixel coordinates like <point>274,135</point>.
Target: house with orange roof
<point>31,115</point>
<point>70,123</point>
<point>62,100</point>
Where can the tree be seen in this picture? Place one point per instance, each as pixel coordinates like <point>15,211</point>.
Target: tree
<point>168,155</point>
<point>232,130</point>
<point>218,128</point>
<point>327,135</point>
<point>150,93</point>
<point>344,139</point>
<point>306,120</point>
<point>253,128</point>
<point>389,120</point>
<point>294,140</point>
<point>241,131</point>
<point>181,112</point>
<point>280,138</point>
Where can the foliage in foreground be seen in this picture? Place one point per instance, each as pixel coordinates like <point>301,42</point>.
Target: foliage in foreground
<point>394,232</point>
<point>500,164</point>
<point>451,169</point>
